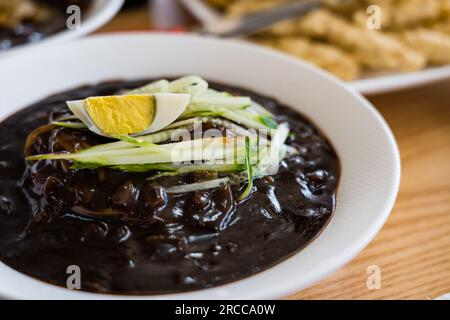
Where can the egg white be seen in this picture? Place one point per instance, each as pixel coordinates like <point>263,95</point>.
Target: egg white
<point>169,107</point>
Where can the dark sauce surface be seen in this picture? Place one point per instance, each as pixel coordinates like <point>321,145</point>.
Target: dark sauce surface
<point>30,31</point>
<point>127,235</point>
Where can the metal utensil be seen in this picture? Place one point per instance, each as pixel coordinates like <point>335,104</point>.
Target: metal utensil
<point>213,24</point>
<point>167,14</point>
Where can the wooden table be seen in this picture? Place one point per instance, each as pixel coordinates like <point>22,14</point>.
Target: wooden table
<point>413,248</point>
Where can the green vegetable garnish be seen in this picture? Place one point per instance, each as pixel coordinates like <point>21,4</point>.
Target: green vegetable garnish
<point>249,170</point>
<point>157,154</point>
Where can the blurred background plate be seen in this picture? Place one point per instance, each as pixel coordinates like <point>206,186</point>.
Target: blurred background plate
<point>369,82</point>
<point>97,14</point>
<point>392,82</point>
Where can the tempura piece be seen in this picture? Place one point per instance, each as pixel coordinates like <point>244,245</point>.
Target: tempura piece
<point>13,12</point>
<point>374,49</point>
<point>284,28</point>
<point>410,13</point>
<point>344,7</point>
<point>336,38</point>
<point>360,15</point>
<point>288,27</point>
<point>402,14</point>
<point>220,3</point>
<point>442,25</point>
<point>325,56</point>
<point>245,7</point>
<point>434,45</point>
<point>445,8</point>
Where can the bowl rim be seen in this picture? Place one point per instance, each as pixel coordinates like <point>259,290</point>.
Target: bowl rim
<point>279,291</point>
<point>106,10</point>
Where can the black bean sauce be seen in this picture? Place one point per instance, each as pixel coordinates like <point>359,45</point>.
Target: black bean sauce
<point>31,31</point>
<point>127,235</point>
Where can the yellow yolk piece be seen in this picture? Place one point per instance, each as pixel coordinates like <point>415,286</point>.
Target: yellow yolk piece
<point>122,115</point>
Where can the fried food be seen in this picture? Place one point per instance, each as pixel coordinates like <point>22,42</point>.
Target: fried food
<point>434,45</point>
<point>325,56</point>
<point>445,8</point>
<point>373,49</point>
<point>414,33</point>
<point>442,25</point>
<point>220,3</point>
<point>401,14</point>
<point>13,12</point>
<point>245,7</point>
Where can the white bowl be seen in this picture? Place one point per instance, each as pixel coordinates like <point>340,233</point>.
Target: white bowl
<point>98,14</point>
<point>366,147</point>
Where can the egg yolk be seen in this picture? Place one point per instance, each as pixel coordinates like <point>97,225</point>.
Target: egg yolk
<point>122,115</point>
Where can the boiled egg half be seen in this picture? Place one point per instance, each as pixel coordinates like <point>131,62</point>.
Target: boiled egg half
<point>129,115</point>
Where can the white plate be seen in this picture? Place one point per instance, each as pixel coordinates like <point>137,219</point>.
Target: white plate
<point>392,82</point>
<point>366,147</point>
<point>370,85</point>
<point>98,14</point>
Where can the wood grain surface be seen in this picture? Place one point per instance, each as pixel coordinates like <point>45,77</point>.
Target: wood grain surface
<point>413,248</point>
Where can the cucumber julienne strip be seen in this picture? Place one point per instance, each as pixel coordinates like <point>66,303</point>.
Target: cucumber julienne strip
<point>153,152</point>
<point>167,135</point>
<point>167,169</point>
<point>208,102</point>
<point>70,125</point>
<point>223,168</point>
<point>248,190</point>
<point>154,138</point>
<point>66,118</point>
<point>235,128</point>
<point>135,141</point>
<point>161,86</point>
<point>193,150</point>
<point>189,84</point>
<point>205,111</point>
<point>198,186</point>
<point>269,158</point>
<point>229,102</point>
<point>259,109</point>
<point>266,120</point>
<point>249,120</point>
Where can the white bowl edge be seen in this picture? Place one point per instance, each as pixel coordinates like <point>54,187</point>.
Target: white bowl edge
<point>228,291</point>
